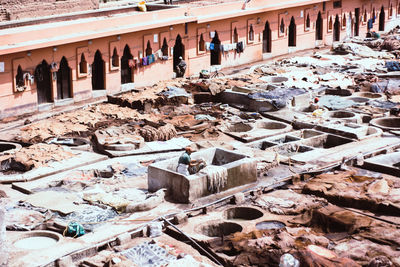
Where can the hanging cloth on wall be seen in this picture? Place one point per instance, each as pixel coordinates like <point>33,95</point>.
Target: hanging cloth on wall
<point>212,46</point>
<point>208,46</point>
<point>145,61</point>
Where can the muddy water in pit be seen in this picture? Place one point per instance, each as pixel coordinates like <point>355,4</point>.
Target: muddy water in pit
<point>35,242</point>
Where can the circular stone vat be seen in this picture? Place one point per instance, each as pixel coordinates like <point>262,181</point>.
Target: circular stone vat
<point>358,99</point>
<point>369,95</point>
<point>267,225</point>
<point>217,229</point>
<point>390,123</point>
<point>4,146</point>
<point>37,240</point>
<point>240,127</point>
<point>271,125</point>
<point>243,213</point>
<point>341,114</point>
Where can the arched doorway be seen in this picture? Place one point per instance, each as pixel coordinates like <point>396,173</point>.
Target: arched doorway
<point>64,80</point>
<point>382,19</point>
<point>336,29</point>
<point>267,38</point>
<point>216,52</point>
<point>43,82</point>
<point>126,69</point>
<point>292,32</point>
<point>357,22</point>
<point>179,51</point>
<point>98,72</point>
<point>319,27</point>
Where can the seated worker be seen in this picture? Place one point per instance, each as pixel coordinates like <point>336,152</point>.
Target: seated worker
<point>186,165</point>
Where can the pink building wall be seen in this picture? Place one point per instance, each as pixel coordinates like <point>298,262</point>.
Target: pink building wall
<point>199,20</point>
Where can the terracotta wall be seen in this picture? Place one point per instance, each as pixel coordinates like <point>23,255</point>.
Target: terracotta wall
<point>13,102</point>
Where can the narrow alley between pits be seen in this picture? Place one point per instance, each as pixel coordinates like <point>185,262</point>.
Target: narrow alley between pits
<point>301,168</point>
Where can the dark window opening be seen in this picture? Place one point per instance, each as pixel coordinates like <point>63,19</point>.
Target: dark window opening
<point>19,78</point>
<point>308,22</point>
<point>179,51</point>
<point>235,36</point>
<point>382,19</point>
<point>164,48</point>
<point>365,15</point>
<point>357,22</point>
<point>344,23</point>
<point>337,4</point>
<point>324,6</point>
<point>216,52</point>
<point>98,72</point>
<point>391,10</point>
<point>64,80</point>
<point>149,50</point>
<point>330,24</point>
<point>292,32</point>
<point>115,58</point>
<point>202,46</point>
<point>282,26</point>
<point>251,33</point>
<point>43,82</point>
<point>267,40</point>
<point>319,27</point>
<point>373,15</point>
<point>336,29</point>
<point>83,65</point>
<point>126,66</point>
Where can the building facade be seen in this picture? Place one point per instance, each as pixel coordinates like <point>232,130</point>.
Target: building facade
<point>62,59</point>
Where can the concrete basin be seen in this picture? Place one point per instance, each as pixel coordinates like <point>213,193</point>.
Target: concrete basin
<point>241,170</point>
<point>387,124</point>
<point>4,146</point>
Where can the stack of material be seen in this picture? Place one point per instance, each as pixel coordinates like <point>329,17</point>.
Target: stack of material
<point>35,156</point>
<point>163,133</point>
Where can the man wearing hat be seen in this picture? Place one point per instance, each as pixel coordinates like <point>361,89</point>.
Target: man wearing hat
<point>185,162</point>
<point>181,68</point>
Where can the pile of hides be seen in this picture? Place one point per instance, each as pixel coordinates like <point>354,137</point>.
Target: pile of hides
<point>217,177</point>
<point>115,201</point>
<point>360,50</point>
<point>163,133</point>
<point>278,97</point>
<point>175,91</point>
<point>35,156</point>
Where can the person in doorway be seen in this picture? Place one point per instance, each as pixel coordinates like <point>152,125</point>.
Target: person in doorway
<point>188,166</point>
<point>181,68</point>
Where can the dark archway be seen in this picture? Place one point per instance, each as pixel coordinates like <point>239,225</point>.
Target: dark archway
<point>319,27</point>
<point>292,32</point>
<point>164,48</point>
<point>267,40</point>
<point>357,22</point>
<point>336,29</point>
<point>126,68</point>
<point>43,82</point>
<point>149,50</point>
<point>98,72</point>
<point>382,19</point>
<point>19,78</point>
<point>216,52</point>
<point>64,80</point>
<point>179,50</point>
